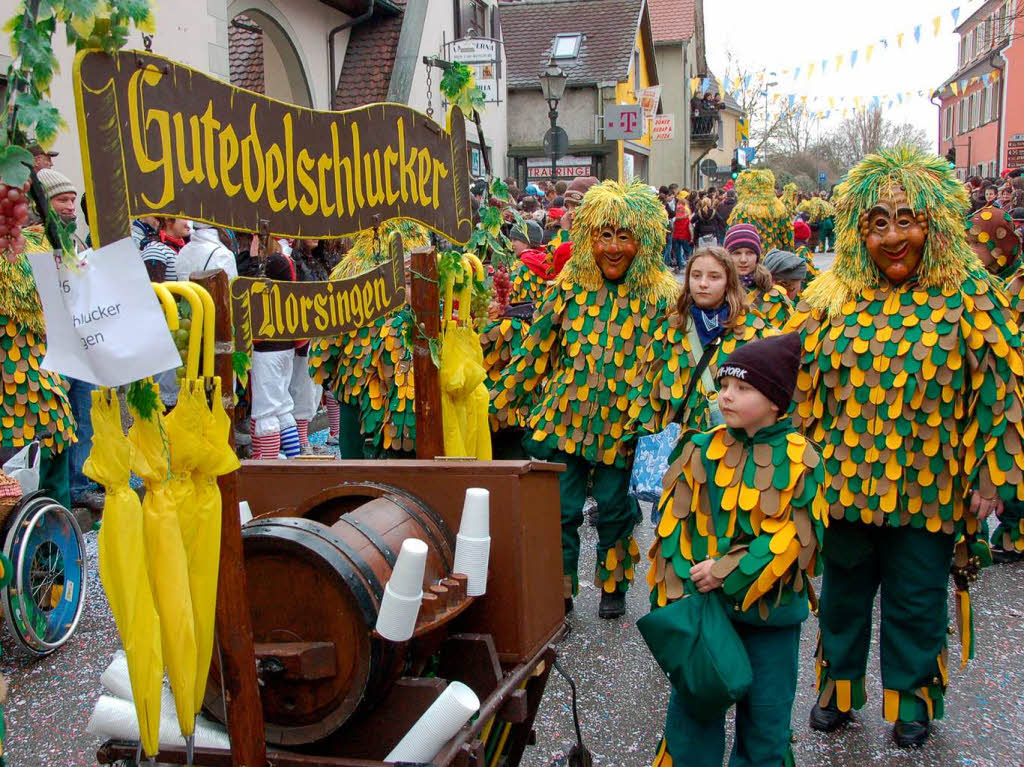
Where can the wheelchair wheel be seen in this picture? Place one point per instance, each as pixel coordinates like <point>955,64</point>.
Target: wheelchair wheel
<point>44,601</point>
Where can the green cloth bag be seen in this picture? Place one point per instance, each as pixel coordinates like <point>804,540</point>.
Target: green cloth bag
<point>697,646</point>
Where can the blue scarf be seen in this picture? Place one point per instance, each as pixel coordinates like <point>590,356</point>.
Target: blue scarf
<point>709,324</point>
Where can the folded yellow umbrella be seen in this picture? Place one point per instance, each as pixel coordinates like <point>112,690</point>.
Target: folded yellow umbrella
<point>122,566</point>
<point>166,562</point>
<point>216,458</point>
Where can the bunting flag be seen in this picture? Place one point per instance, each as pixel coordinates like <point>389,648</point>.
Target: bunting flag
<point>868,51</point>
<point>853,59</point>
<point>917,34</point>
<point>956,16</point>
<point>937,23</point>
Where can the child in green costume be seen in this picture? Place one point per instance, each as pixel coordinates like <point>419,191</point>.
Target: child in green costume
<point>743,516</point>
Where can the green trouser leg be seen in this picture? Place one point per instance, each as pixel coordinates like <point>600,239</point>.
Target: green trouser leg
<point>350,438</point>
<point>55,476</point>
<point>1009,534</point>
<point>572,494</point>
<point>911,567</point>
<point>617,513</point>
<point>762,716</point>
<point>506,445</point>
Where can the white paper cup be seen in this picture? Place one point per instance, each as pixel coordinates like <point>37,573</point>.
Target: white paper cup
<point>476,513</point>
<point>407,575</point>
<point>437,726</point>
<point>471,559</point>
<point>396,620</point>
<point>244,512</point>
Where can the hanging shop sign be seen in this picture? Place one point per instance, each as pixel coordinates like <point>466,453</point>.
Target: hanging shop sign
<point>482,54</point>
<point>1015,151</point>
<point>663,127</point>
<point>160,138</point>
<point>650,98</point>
<point>271,310</point>
<point>567,167</point>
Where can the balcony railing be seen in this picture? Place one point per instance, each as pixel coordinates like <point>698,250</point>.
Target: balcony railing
<point>705,127</point>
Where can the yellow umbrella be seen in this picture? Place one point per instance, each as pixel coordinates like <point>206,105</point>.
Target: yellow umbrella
<point>464,398</point>
<point>203,549</point>
<point>167,565</point>
<point>122,568</point>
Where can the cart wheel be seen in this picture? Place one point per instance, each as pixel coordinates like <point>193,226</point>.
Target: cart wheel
<point>45,599</point>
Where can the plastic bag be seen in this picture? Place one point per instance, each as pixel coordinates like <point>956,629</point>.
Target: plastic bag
<point>24,467</point>
<point>651,463</point>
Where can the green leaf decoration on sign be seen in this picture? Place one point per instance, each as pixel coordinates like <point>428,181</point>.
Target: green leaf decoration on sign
<point>15,163</point>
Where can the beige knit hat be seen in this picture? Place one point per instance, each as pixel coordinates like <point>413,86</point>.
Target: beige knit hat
<point>55,183</point>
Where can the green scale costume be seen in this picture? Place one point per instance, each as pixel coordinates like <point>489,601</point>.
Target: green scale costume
<point>663,376</point>
<point>991,230</point>
<point>574,368</point>
<point>772,304</point>
<point>757,204</point>
<point>913,391</point>
<point>370,369</point>
<point>755,505</point>
<point>35,404</point>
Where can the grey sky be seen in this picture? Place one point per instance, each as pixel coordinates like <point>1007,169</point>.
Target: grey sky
<point>785,34</point>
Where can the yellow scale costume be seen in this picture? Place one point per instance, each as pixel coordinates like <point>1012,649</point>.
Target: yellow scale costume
<point>913,391</point>
<point>574,367</point>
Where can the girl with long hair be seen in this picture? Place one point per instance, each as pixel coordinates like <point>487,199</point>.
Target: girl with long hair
<point>712,310</point>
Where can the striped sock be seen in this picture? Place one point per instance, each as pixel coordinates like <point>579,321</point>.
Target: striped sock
<point>302,425</point>
<point>266,446</point>
<point>333,415</point>
<point>290,442</point>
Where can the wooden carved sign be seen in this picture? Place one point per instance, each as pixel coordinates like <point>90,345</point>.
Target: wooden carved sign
<point>159,138</point>
<point>271,310</point>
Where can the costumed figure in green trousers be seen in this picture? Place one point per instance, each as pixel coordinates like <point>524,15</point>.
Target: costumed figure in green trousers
<point>743,513</point>
<point>585,341</point>
<point>911,384</point>
<point>757,204</point>
<point>992,236</point>
<point>370,369</point>
<point>34,402</point>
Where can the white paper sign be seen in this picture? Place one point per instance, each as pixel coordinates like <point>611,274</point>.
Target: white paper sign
<point>104,323</point>
<point>663,127</point>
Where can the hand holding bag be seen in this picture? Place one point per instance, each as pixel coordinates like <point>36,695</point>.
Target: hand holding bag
<point>695,644</point>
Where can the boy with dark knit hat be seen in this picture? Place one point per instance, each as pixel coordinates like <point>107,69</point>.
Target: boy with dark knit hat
<point>743,514</point>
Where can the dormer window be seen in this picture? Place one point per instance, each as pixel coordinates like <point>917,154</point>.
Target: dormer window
<point>566,46</point>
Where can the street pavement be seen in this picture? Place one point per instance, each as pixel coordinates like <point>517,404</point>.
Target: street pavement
<point>623,694</point>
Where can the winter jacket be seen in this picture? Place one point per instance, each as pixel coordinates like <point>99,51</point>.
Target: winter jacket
<point>204,252</point>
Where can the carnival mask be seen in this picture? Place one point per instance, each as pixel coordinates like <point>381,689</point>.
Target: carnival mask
<point>614,251</point>
<point>894,235</point>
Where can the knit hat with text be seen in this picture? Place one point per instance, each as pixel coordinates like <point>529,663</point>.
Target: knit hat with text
<point>770,365</point>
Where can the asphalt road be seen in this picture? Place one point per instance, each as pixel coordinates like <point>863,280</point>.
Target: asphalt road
<point>623,694</point>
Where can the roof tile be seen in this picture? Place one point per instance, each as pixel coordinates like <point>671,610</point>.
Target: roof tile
<point>673,20</point>
<point>528,28</point>
<point>369,61</point>
<point>245,55</point>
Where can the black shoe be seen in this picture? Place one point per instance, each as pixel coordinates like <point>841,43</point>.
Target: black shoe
<point>829,719</point>
<point>92,500</point>
<point>911,734</point>
<point>612,605</point>
<point>1001,556</point>
<point>568,605</point>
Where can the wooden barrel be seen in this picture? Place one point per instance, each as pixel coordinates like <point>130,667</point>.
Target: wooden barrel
<point>311,583</point>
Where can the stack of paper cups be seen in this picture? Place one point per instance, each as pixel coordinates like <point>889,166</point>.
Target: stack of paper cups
<point>473,543</point>
<point>403,593</point>
<point>437,726</point>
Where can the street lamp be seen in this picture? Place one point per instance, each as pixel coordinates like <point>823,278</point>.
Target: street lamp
<point>552,83</point>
